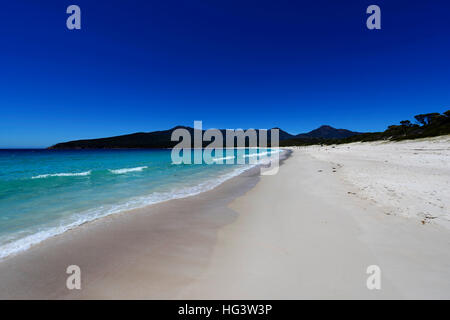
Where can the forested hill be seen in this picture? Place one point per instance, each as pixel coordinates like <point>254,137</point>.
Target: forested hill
<point>162,139</point>
<point>426,125</point>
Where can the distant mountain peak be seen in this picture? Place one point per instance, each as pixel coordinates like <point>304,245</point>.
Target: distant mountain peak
<point>179,127</point>
<point>327,132</point>
<point>162,139</point>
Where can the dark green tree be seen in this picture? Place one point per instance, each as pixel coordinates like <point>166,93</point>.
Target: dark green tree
<point>405,123</point>
<point>426,118</point>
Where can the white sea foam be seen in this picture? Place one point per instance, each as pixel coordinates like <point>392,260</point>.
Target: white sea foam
<point>70,174</point>
<point>224,158</point>
<point>251,155</point>
<point>126,170</point>
<point>17,245</point>
<point>14,246</point>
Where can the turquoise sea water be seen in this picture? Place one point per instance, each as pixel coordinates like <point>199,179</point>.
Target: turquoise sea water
<point>46,192</point>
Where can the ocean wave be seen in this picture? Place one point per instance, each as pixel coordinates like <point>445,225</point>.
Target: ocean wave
<point>126,170</point>
<point>13,246</point>
<point>70,174</point>
<point>251,155</point>
<point>224,158</point>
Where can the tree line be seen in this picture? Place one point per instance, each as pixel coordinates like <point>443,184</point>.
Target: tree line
<point>425,125</point>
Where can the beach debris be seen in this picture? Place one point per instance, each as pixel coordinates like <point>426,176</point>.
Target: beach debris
<point>427,218</point>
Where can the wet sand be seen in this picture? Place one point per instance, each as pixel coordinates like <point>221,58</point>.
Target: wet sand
<point>298,234</point>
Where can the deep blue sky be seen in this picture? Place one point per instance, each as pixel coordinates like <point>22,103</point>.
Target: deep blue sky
<point>150,65</point>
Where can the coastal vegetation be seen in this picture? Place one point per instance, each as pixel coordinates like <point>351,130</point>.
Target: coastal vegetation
<point>425,125</point>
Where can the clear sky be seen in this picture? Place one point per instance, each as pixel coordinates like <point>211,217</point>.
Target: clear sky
<point>150,65</point>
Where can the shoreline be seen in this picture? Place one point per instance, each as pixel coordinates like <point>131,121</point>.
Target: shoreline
<point>299,234</point>
<point>84,240</point>
<point>302,234</point>
<point>34,239</point>
<point>223,193</point>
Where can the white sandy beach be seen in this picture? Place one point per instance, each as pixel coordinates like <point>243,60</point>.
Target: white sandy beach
<point>309,231</point>
<point>409,178</point>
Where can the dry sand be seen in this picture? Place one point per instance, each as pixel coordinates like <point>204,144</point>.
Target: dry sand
<point>408,178</point>
<point>307,232</point>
